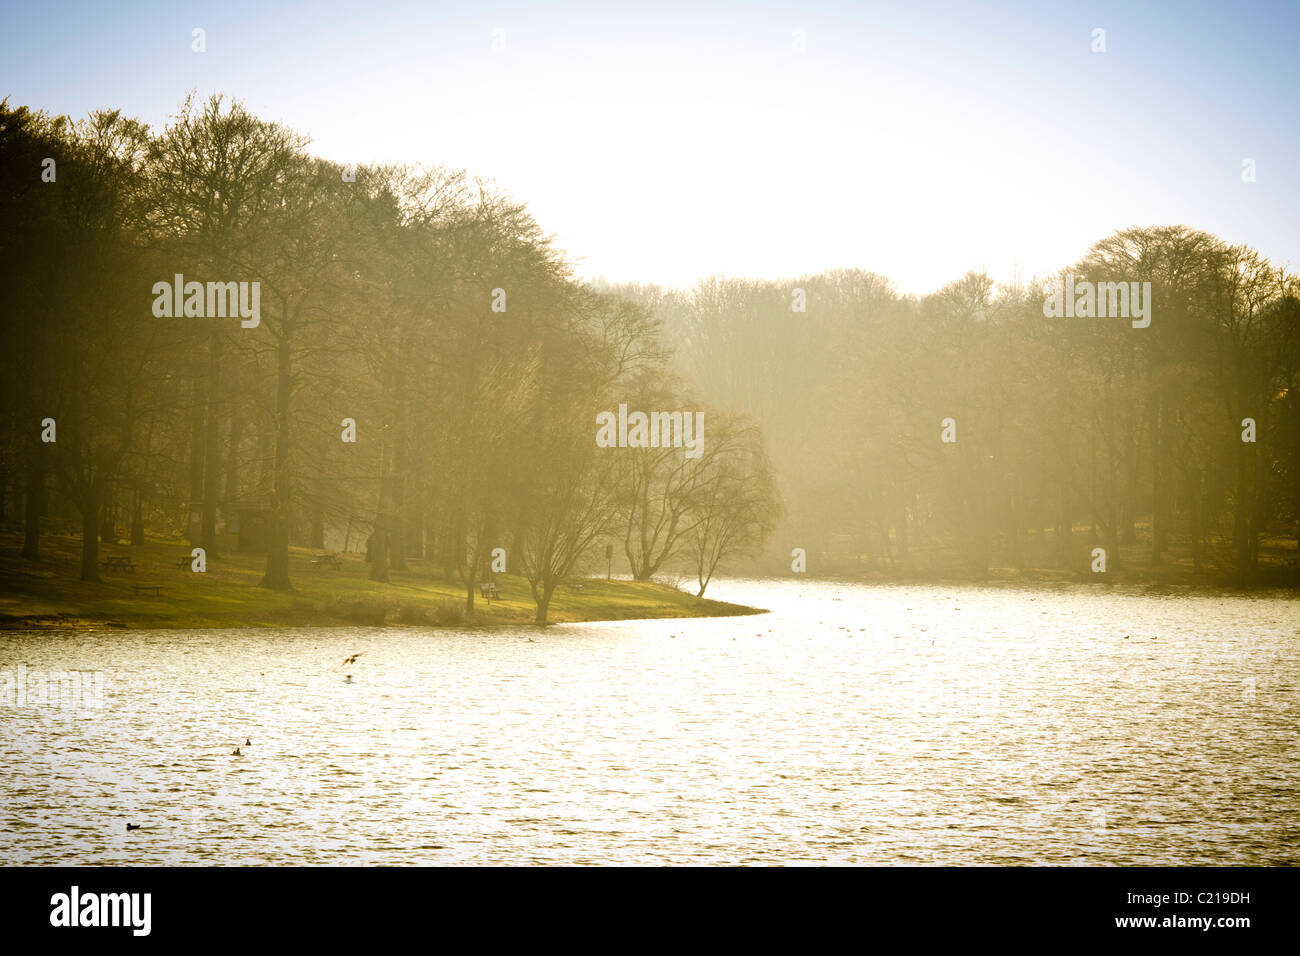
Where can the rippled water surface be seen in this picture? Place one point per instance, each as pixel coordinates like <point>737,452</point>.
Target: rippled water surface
<point>894,725</point>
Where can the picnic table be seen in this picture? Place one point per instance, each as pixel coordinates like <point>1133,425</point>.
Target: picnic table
<point>489,590</point>
<point>119,562</point>
<point>326,560</point>
<point>155,588</point>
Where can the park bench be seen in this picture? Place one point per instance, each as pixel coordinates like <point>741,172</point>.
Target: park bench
<point>119,562</point>
<point>185,561</point>
<point>155,588</point>
<point>326,560</point>
<point>489,590</point>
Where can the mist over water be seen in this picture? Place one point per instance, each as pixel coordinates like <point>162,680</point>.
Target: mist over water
<point>852,724</point>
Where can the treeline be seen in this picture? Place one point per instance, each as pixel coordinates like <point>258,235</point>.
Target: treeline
<point>425,314</point>
<point>1178,442</point>
<point>413,362</point>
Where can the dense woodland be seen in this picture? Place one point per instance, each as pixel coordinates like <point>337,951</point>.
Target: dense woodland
<point>1071,433</point>
<point>433,312</point>
<point>420,309</point>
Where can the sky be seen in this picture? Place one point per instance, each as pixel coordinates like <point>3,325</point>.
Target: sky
<point>665,142</point>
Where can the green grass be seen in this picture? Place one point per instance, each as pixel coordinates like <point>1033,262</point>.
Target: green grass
<point>48,593</point>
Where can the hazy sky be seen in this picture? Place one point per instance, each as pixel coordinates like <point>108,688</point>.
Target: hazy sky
<point>665,141</point>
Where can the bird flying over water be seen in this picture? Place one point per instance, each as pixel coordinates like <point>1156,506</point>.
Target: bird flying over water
<point>352,659</point>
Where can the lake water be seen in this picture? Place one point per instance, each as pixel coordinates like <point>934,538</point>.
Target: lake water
<point>853,724</point>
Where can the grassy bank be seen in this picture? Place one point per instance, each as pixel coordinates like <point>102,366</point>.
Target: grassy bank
<point>48,593</point>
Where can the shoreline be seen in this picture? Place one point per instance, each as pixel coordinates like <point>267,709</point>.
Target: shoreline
<point>61,621</point>
<point>1272,578</point>
<point>48,595</point>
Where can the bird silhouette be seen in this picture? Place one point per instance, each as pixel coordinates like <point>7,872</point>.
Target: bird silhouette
<point>248,742</point>
<point>132,826</point>
<point>236,753</point>
<point>352,659</point>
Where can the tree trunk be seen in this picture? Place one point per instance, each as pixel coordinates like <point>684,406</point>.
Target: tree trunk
<point>196,458</point>
<point>474,563</point>
<point>1194,507</point>
<point>277,558</point>
<point>397,499</point>
<point>33,508</point>
<point>397,541</point>
<point>1158,530</point>
<point>108,517</point>
<point>378,551</point>
<point>704,584</point>
<point>1242,518</point>
<point>317,526</point>
<point>212,449</point>
<point>89,507</point>
<point>236,438</point>
<point>544,602</point>
<point>137,519</point>
<point>381,540</point>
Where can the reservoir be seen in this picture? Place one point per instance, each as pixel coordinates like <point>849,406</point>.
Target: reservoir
<point>852,724</point>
